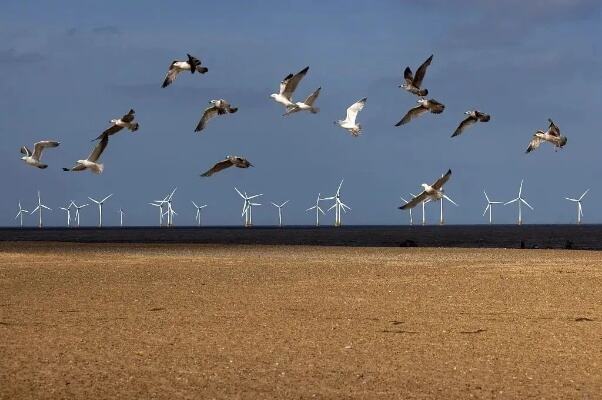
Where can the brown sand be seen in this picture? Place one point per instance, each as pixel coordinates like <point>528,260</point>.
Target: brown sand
<point>180,321</point>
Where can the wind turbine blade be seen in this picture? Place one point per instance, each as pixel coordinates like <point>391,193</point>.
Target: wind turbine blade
<point>527,204</point>
<point>252,197</point>
<point>333,206</point>
<point>106,198</point>
<point>487,197</point>
<point>329,198</point>
<point>255,204</point>
<point>96,201</point>
<point>486,209</point>
<point>345,206</point>
<point>571,199</point>
<point>35,209</point>
<point>240,194</point>
<point>450,200</point>
<point>520,189</point>
<point>283,204</point>
<point>48,208</point>
<point>322,211</point>
<point>274,204</point>
<point>511,201</point>
<point>340,184</point>
<point>194,204</point>
<point>583,195</point>
<point>404,200</point>
<point>310,208</point>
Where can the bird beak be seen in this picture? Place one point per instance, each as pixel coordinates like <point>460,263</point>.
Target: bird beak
<point>251,165</point>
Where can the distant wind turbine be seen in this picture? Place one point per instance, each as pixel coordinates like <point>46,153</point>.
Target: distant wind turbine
<point>20,214</point>
<point>121,213</point>
<point>100,204</point>
<point>489,207</point>
<point>197,217</point>
<point>39,209</point>
<point>68,211</point>
<point>318,209</point>
<point>77,211</point>
<point>279,207</point>
<point>405,201</point>
<point>338,205</point>
<point>247,208</point>
<point>579,206</point>
<point>520,201</point>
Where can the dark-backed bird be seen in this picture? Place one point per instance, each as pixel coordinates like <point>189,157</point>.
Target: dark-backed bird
<point>423,106</point>
<point>230,161</point>
<point>412,83</point>
<point>473,117</point>
<point>217,107</point>
<point>127,121</point>
<point>432,192</point>
<point>287,87</point>
<point>33,157</point>
<point>91,162</point>
<point>552,135</point>
<point>192,64</point>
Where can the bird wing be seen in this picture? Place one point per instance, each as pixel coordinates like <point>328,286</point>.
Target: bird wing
<point>435,107</point>
<point>441,181</point>
<point>76,167</point>
<point>534,143</point>
<point>464,124</point>
<point>421,71</point>
<point>553,129</point>
<point>25,150</point>
<point>408,76</point>
<point>113,129</point>
<point>218,167</point>
<point>172,74</point>
<point>291,83</point>
<point>39,146</point>
<point>354,109</point>
<point>209,113</point>
<point>482,116</point>
<point>129,117</point>
<point>411,114</point>
<point>415,201</point>
<point>312,97</point>
<point>99,148</point>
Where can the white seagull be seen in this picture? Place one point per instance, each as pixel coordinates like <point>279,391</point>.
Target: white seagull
<point>473,117</point>
<point>192,64</point>
<point>287,87</point>
<point>127,121</point>
<point>432,192</point>
<point>217,107</point>
<point>306,105</point>
<point>552,135</point>
<point>423,106</point>
<point>349,122</point>
<point>91,162</point>
<point>33,157</point>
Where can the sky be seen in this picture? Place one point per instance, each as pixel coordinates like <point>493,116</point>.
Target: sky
<point>68,67</point>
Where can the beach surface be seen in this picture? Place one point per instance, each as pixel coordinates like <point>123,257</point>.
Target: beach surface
<point>242,321</point>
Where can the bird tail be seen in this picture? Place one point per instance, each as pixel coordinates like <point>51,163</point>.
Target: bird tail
<point>98,168</point>
<point>66,169</point>
<point>232,110</point>
<point>42,166</point>
<point>202,70</point>
<point>423,92</point>
<point>134,126</point>
<point>315,110</point>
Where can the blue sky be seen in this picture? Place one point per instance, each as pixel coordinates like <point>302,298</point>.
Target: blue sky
<point>68,67</point>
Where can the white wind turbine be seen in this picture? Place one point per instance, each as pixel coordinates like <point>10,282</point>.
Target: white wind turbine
<point>121,214</point>
<point>77,212</point>
<point>338,205</point>
<point>68,211</point>
<point>423,205</point>
<point>197,217</point>
<point>160,207</point>
<point>520,201</point>
<point>405,201</point>
<point>579,206</point>
<point>318,209</point>
<point>279,207</point>
<point>20,214</point>
<point>167,202</point>
<point>247,208</point>
<point>100,204</point>
<point>39,208</point>
<point>445,197</point>
<point>489,207</point>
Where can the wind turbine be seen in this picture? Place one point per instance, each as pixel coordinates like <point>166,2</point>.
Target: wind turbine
<point>247,208</point>
<point>318,209</point>
<point>338,205</point>
<point>423,204</point>
<point>170,212</point>
<point>68,210</point>
<point>579,207</point>
<point>520,201</point>
<point>20,214</point>
<point>197,217</point>
<point>39,209</point>
<point>77,208</point>
<point>121,213</point>
<point>405,201</point>
<point>445,197</point>
<point>160,207</point>
<point>100,204</point>
<point>489,207</point>
<point>279,207</point>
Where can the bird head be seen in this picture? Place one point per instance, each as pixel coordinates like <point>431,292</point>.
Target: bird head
<point>563,141</point>
<point>422,101</point>
<point>273,95</point>
<point>23,158</point>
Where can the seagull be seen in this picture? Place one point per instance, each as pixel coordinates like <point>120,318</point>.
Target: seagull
<point>218,107</point>
<point>33,157</point>
<point>552,135</point>
<point>236,161</point>
<point>412,83</point>
<point>307,104</point>
<point>287,87</point>
<point>432,192</point>
<point>91,162</point>
<point>349,122</point>
<point>192,65</point>
<point>423,106</point>
<point>473,116</point>
<point>127,121</point>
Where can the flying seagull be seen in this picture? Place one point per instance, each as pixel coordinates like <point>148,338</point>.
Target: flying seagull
<point>192,64</point>
<point>412,83</point>
<point>349,122</point>
<point>127,121</point>
<point>432,192</point>
<point>423,106</point>
<point>552,135</point>
<point>33,157</point>
<point>217,107</point>
<point>287,87</point>
<point>473,116</point>
<point>307,104</point>
<point>236,161</point>
<point>91,162</point>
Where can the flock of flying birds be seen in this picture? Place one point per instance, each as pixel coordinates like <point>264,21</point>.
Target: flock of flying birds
<point>412,84</point>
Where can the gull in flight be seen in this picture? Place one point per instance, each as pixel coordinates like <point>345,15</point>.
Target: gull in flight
<point>217,107</point>
<point>230,161</point>
<point>91,162</point>
<point>306,105</point>
<point>287,87</point>
<point>432,192</point>
<point>473,117</point>
<point>349,122</point>
<point>412,83</point>
<point>127,121</point>
<point>423,106</point>
<point>192,64</point>
<point>552,135</point>
<point>33,157</point>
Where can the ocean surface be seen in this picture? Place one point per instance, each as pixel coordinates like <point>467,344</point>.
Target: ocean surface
<point>495,236</point>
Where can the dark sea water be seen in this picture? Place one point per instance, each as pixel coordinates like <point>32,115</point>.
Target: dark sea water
<point>500,236</point>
